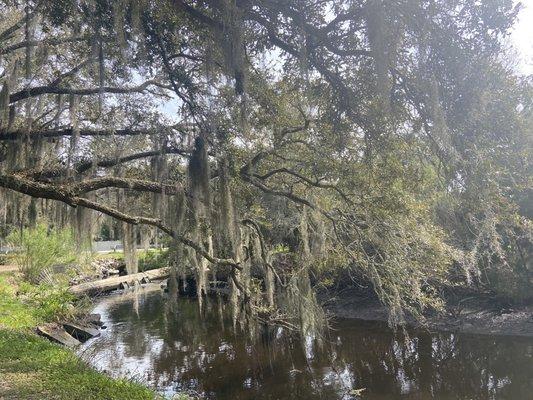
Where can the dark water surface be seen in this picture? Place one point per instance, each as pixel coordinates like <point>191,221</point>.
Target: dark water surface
<point>172,349</point>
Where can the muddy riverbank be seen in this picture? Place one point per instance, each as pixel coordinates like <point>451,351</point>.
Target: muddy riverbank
<point>468,314</point>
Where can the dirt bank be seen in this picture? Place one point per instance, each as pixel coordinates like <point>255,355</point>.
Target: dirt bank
<point>473,314</point>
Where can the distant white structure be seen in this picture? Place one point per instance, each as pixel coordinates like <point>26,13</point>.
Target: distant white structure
<point>107,246</point>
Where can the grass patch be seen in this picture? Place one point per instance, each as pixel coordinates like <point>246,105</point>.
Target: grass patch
<point>34,368</point>
<point>113,255</point>
<point>14,313</point>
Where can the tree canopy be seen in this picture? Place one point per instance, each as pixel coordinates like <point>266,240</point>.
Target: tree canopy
<point>291,144</point>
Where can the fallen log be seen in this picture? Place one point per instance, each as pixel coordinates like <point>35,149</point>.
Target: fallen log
<point>116,282</point>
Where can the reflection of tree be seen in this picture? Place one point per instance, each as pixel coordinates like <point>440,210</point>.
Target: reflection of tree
<point>485,366</point>
<point>438,366</point>
<point>180,349</point>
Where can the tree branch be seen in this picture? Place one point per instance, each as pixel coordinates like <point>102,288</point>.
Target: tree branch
<point>6,34</point>
<point>50,42</point>
<point>291,196</point>
<point>40,90</point>
<point>70,73</point>
<point>56,133</point>
<point>316,183</point>
<point>320,36</point>
<point>47,191</point>
<point>123,183</point>
<point>85,165</point>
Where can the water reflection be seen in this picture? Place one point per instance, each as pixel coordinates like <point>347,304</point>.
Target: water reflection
<point>170,347</point>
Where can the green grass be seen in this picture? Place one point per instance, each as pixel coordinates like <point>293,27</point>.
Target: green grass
<point>34,368</point>
<point>23,305</point>
<point>14,313</point>
<point>114,255</point>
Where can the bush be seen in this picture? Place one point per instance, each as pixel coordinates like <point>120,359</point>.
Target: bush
<point>41,248</point>
<point>153,259</point>
<point>50,302</point>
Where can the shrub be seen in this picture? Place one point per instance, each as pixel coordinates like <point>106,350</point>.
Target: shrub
<point>153,259</point>
<point>41,248</point>
<point>49,302</point>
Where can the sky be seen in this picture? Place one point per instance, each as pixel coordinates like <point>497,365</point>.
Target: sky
<point>522,37</point>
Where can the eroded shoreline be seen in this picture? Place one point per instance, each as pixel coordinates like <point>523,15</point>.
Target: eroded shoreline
<point>475,316</point>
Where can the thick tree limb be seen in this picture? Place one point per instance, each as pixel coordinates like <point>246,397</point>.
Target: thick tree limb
<point>48,191</point>
<point>36,189</point>
<point>320,36</point>
<point>136,220</point>
<point>345,94</point>
<point>86,165</point>
<point>123,183</point>
<point>49,42</point>
<point>198,15</point>
<point>57,133</point>
<point>6,34</point>
<point>355,14</point>
<point>111,162</point>
<point>40,90</point>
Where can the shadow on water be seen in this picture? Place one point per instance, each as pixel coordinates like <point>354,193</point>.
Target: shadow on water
<point>170,347</point>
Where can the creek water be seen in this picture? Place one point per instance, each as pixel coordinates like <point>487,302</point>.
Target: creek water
<point>172,348</point>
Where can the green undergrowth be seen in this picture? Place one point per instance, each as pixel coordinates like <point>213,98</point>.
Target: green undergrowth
<point>148,259</point>
<point>15,313</point>
<point>31,367</point>
<point>153,259</point>
<point>7,259</point>
<point>23,305</point>
<point>41,249</point>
